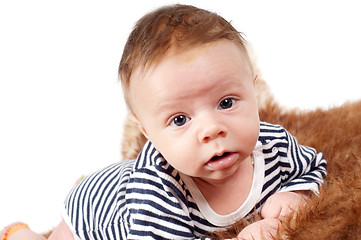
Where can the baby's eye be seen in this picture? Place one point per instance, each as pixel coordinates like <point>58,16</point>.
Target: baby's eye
<point>180,120</point>
<point>226,103</point>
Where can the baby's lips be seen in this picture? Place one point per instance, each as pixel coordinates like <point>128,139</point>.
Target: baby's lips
<point>222,162</point>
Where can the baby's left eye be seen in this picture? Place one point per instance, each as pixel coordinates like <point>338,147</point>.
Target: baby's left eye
<point>226,103</point>
<point>180,120</point>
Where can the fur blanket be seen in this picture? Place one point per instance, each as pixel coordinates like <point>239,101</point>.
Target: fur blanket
<point>336,212</point>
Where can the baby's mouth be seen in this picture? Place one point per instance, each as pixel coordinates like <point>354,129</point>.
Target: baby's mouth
<point>215,158</point>
<point>219,162</point>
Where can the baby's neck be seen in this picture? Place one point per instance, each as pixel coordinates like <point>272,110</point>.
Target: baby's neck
<point>227,196</point>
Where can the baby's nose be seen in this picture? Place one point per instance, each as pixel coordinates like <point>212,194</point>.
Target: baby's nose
<point>211,131</point>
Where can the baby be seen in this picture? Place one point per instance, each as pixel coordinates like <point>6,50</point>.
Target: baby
<point>209,161</point>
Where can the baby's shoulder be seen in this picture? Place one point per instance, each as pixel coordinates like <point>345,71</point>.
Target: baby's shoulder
<point>101,190</point>
<point>96,204</point>
<point>106,177</point>
<point>272,132</point>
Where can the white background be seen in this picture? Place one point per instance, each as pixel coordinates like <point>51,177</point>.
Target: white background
<point>61,107</point>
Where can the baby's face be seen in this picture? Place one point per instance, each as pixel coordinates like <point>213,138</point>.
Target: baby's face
<point>199,109</point>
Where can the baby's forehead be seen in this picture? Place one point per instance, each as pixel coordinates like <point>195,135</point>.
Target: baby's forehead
<point>210,59</point>
<point>185,54</point>
<point>195,72</point>
<point>176,58</point>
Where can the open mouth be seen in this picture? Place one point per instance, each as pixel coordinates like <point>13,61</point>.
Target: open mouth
<point>215,158</point>
<point>224,161</point>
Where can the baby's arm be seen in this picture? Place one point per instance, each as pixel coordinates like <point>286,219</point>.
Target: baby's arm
<point>263,229</point>
<point>303,168</point>
<point>277,206</point>
<point>61,232</point>
<point>26,234</point>
<point>283,203</point>
<point>19,231</point>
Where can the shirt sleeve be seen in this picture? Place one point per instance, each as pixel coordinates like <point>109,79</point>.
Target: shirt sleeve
<point>157,208</point>
<point>303,168</point>
<point>126,202</point>
<point>93,207</point>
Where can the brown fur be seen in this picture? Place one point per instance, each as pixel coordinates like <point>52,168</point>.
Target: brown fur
<point>336,212</point>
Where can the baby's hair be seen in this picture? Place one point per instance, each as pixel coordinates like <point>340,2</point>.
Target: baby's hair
<point>177,27</point>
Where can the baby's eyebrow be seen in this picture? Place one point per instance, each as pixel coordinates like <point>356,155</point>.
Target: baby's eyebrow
<point>169,106</point>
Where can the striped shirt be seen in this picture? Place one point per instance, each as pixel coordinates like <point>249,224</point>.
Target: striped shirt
<point>147,198</point>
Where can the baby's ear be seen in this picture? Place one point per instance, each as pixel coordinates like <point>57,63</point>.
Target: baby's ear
<point>134,118</point>
<point>255,78</point>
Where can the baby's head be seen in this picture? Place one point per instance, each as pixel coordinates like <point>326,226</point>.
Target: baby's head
<point>188,82</point>
<point>175,28</point>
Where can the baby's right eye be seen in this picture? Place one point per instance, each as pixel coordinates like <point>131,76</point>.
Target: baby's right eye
<point>179,120</point>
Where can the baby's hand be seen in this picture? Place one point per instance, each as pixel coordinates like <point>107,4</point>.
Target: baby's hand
<point>277,206</point>
<point>263,229</point>
<point>281,204</point>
